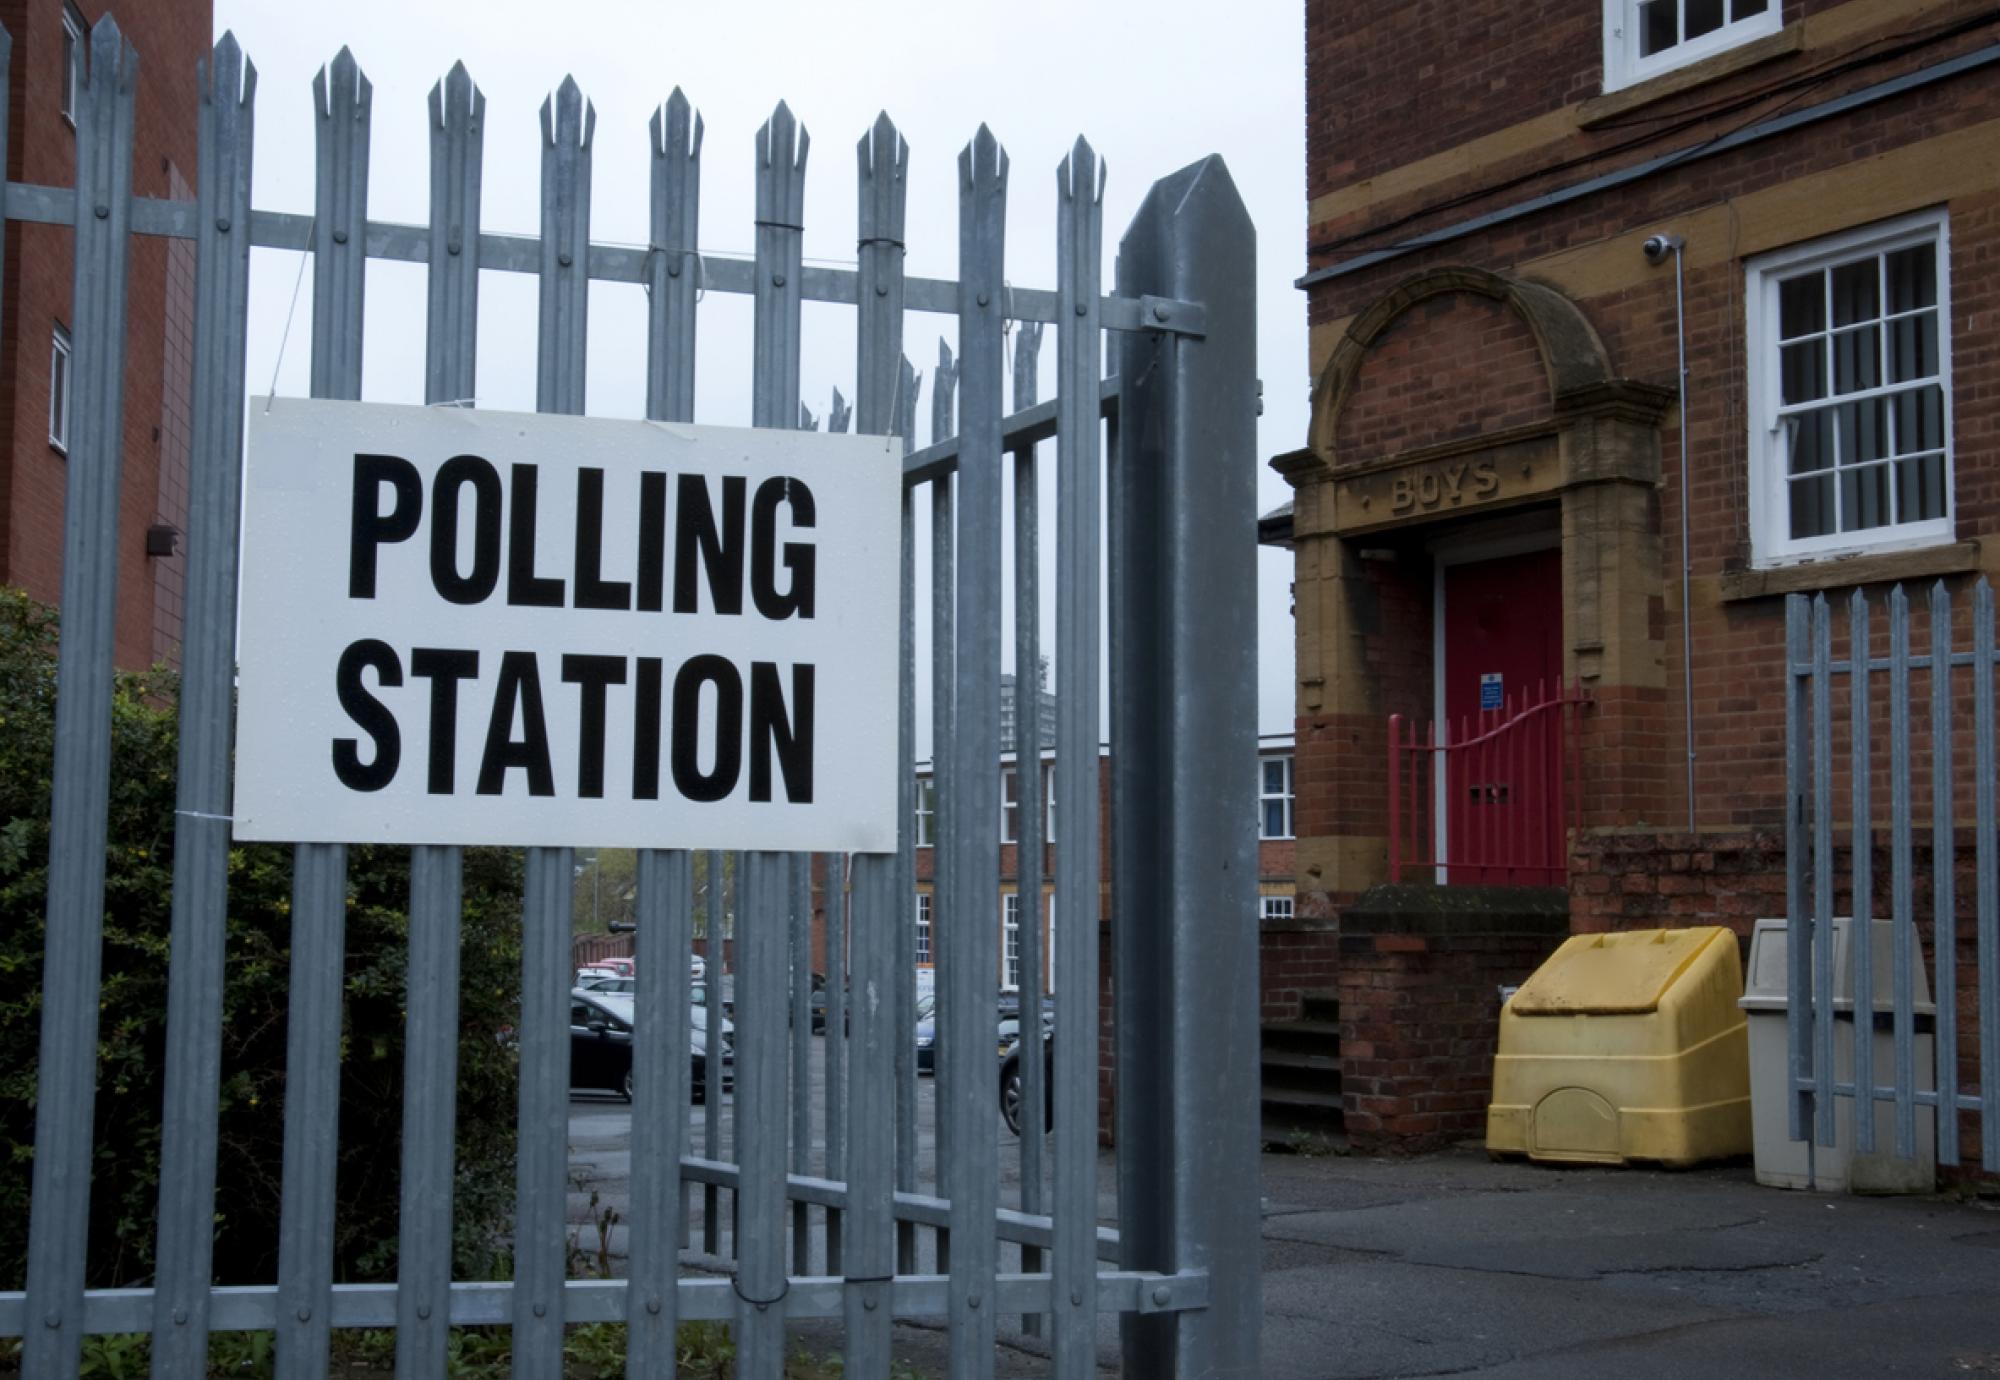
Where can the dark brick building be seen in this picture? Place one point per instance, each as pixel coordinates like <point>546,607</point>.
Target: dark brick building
<point>35,295</point>
<point>1491,493</point>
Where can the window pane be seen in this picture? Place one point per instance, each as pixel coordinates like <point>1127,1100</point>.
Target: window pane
<point>1812,507</point>
<point>1803,367</point>
<point>1920,488</point>
<point>1857,359</point>
<point>1854,293</point>
<point>1913,347</point>
<point>1864,498</point>
<point>1802,305</point>
<point>1274,778</point>
<point>1703,17</point>
<point>1920,420</point>
<point>1274,819</point>
<point>1658,29</point>
<point>1811,436</point>
<point>1864,431</point>
<point>1743,9</point>
<point>1913,278</point>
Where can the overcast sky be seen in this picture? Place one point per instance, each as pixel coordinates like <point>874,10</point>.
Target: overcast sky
<point>1154,85</point>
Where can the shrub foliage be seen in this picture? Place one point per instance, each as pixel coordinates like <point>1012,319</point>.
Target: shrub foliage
<point>132,1020</point>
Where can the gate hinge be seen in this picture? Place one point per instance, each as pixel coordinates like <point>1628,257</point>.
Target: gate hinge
<point>1173,316</point>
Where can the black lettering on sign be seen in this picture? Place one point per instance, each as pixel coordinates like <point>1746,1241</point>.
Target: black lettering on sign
<point>797,596</point>
<point>593,674</point>
<point>720,779</point>
<point>652,539</point>
<point>646,730</point>
<point>455,474</point>
<point>444,668</point>
<point>370,715</point>
<point>525,589</point>
<point>593,591</point>
<point>369,526</point>
<point>775,730</point>
<point>719,548</point>
<point>520,683</point>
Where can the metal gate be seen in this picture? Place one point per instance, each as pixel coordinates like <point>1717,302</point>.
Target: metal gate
<point>1821,790</point>
<point>1182,1266</point>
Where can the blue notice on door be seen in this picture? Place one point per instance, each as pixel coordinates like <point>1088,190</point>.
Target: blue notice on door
<point>1490,691</point>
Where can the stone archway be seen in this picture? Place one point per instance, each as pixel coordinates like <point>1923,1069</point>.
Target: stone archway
<point>1464,397</point>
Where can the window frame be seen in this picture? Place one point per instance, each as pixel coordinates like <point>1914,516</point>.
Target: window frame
<point>1010,941</point>
<point>76,45</point>
<point>1289,797</point>
<point>926,955</point>
<point>1771,542</point>
<point>1010,803</point>
<point>925,822</point>
<point>1277,907</point>
<point>63,349</point>
<point>1623,66</point>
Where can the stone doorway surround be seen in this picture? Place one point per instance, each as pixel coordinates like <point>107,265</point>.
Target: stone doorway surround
<point>1589,446</point>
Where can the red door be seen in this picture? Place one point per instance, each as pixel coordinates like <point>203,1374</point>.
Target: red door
<point>1502,652</point>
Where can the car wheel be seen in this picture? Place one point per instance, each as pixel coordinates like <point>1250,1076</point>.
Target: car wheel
<point>1010,1096</point>
<point>625,1086</point>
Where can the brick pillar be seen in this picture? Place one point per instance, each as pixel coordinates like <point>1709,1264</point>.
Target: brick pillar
<point>1420,972</point>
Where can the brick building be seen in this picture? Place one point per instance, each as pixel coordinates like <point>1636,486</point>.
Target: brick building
<point>1491,497</point>
<point>35,298</point>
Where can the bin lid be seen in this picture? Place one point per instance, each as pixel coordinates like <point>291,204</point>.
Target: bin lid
<point>1767,980</point>
<point>1612,974</point>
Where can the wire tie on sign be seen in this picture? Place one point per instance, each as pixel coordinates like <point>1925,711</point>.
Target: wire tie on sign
<point>862,244</point>
<point>203,814</point>
<point>290,312</point>
<point>779,225</point>
<point>454,402</point>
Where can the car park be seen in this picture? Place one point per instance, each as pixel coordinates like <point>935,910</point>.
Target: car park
<point>600,1046</point>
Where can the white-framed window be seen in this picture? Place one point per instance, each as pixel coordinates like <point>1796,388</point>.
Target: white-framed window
<point>1850,392</point>
<point>1643,38</point>
<point>75,31</point>
<point>1049,951</point>
<point>1010,942</point>
<point>1274,797</point>
<point>1010,805</point>
<point>59,352</point>
<point>926,811</point>
<point>924,929</point>
<point>1275,907</point>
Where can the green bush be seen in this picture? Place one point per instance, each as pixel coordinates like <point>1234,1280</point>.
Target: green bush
<point>132,1020</point>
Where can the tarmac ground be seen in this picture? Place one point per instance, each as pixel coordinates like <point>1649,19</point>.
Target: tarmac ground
<point>1453,1264</point>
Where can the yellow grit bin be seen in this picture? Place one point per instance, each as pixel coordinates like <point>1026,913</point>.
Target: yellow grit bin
<point>1626,1047</point>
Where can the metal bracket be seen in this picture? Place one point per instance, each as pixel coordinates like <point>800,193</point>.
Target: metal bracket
<point>1176,1293</point>
<point>1173,316</point>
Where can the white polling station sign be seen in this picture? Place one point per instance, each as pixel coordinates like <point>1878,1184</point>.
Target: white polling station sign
<point>476,627</point>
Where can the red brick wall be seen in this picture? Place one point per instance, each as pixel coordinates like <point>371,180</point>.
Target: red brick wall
<point>170,39</point>
<point>1298,960</point>
<point>1419,1025</point>
<point>1456,365</point>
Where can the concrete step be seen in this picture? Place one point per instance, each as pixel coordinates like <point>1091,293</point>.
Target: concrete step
<point>1295,1033</point>
<point>1317,1061</point>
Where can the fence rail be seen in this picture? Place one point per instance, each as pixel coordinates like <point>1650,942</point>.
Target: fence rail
<point>1814,779</point>
<point>1178,445</point>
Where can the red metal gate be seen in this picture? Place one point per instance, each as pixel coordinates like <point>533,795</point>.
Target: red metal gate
<point>1507,778</point>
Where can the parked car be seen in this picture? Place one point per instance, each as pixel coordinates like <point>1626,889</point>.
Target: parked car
<point>600,1045</point>
<point>1010,1083</point>
<point>1008,1029</point>
<point>607,982</point>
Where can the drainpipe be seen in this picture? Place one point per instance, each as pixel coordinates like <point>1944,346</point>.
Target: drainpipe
<point>1657,248</point>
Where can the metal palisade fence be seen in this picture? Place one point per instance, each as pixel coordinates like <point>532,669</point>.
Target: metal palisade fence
<point>1821,790</point>
<point>1181,1267</point>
